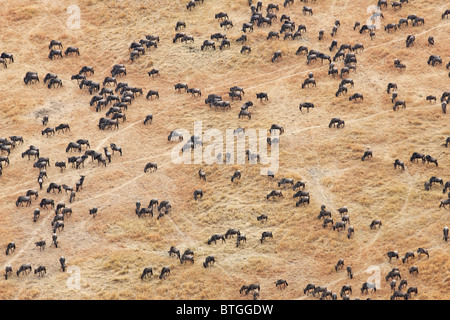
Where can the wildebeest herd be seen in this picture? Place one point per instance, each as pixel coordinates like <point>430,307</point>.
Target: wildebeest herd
<point>115,96</point>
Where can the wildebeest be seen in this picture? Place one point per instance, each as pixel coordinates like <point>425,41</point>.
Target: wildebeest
<point>70,50</point>
<point>356,96</point>
<point>198,194</point>
<point>11,247</point>
<point>237,175</point>
<point>20,200</point>
<point>392,254</point>
<point>146,272</point>
<point>25,268</point>
<point>399,103</point>
<point>208,261</point>
<point>399,163</point>
<point>55,53</point>
<point>262,218</point>
<point>151,166</point>
<point>274,193</point>
<point>307,10</point>
<point>445,231</point>
<point>281,283</point>
<point>415,156</point>
<point>375,223</point>
<point>266,234</point>
<point>367,154</point>
<point>216,237</point>
<point>366,286</point>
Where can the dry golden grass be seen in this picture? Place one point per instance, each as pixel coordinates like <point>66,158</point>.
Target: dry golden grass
<point>112,250</point>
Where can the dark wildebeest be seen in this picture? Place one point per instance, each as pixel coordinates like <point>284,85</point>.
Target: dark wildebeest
<point>266,234</point>
<point>375,223</point>
<point>198,193</point>
<point>151,166</point>
<point>11,247</point>
<point>93,211</point>
<point>22,199</point>
<point>25,268</point>
<point>274,193</point>
<point>392,254</point>
<point>399,163</point>
<point>146,272</point>
<point>208,261</point>
<point>366,286</point>
<point>216,237</point>
<point>366,155</point>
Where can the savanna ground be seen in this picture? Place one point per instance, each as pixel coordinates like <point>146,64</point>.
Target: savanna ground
<point>112,249</point>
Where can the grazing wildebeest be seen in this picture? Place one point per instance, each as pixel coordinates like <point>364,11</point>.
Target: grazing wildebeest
<point>237,175</point>
<point>391,86</point>
<point>410,291</point>
<point>174,251</point>
<point>399,294</point>
<point>339,265</point>
<point>429,159</point>
<point>340,225</point>
<point>25,268</point>
<point>152,93</point>
<point>55,53</point>
<point>245,113</point>
<point>416,156</point>
<point>366,155</point>
<point>350,232</point>
<point>93,211</point>
<point>346,289</point>
<point>399,163</point>
<point>31,77</point>
<point>240,238</point>
<point>366,286</point>
<point>151,166</point>
<point>285,181</point>
<point>444,203</point>
<point>202,175</point>
<point>40,245</point>
<point>146,272</point>
<point>11,247</point>
<point>414,270</point>
<point>431,98</point>
<point>407,256</point>
<point>185,257</point>
<point>306,105</point>
<point>356,96</point>
<point>274,193</point>
<point>445,231</point>
<point>62,127</point>
<point>281,283</point>
<point>8,271</point>
<point>246,49</point>
<point>399,103</point>
<point>309,288</point>
<point>266,234</point>
<point>216,237</point>
<point>262,218</point>
<point>392,254</point>
<point>319,290</point>
<point>341,90</point>
<point>48,131</point>
<point>349,272</point>
<point>22,199</point>
<point>299,184</point>
<point>307,10</point>
<point>208,261</point>
<point>73,145</point>
<point>148,118</point>
<point>375,223</point>
<point>421,251</point>
<point>198,193</point>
